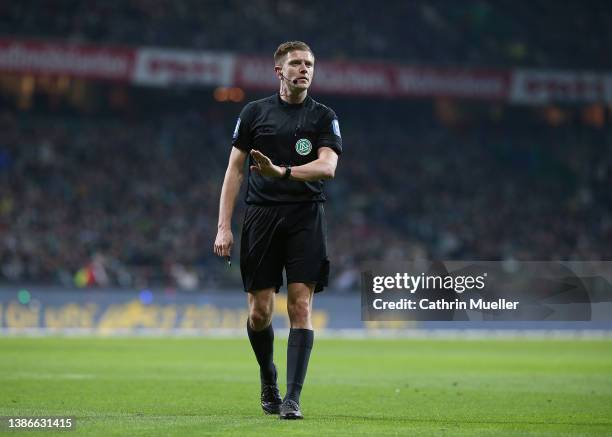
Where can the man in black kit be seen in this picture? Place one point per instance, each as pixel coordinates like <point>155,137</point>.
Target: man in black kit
<point>293,144</point>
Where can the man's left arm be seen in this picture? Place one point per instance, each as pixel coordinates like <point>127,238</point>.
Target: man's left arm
<point>324,167</point>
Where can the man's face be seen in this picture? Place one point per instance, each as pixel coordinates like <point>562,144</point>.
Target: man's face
<point>298,66</point>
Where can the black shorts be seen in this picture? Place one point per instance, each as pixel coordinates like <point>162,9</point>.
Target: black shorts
<point>289,236</point>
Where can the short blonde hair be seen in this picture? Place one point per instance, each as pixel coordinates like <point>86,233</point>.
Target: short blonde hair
<point>287,47</point>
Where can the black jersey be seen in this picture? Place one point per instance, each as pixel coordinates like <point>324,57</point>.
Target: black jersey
<point>288,134</point>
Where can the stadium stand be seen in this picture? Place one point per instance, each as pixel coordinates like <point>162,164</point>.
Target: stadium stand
<point>498,33</point>
<point>106,197</point>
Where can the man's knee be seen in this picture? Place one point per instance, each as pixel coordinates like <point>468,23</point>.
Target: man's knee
<point>261,307</point>
<point>299,303</point>
<point>259,320</point>
<point>299,309</point>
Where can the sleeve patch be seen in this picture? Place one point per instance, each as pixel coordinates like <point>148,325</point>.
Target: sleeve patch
<point>236,129</point>
<point>335,127</point>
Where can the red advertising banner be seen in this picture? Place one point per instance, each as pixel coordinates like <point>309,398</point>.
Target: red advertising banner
<point>452,82</point>
<point>80,60</point>
<point>384,80</point>
<point>354,78</point>
<point>254,73</point>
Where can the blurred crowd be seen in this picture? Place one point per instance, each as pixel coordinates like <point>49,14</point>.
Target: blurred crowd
<point>500,33</point>
<point>92,201</point>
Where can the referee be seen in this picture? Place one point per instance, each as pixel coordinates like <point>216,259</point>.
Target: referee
<point>292,143</point>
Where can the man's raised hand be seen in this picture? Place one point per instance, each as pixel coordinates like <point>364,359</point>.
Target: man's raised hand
<point>264,166</point>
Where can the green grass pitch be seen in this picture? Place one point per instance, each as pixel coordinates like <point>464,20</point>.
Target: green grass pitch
<point>201,386</point>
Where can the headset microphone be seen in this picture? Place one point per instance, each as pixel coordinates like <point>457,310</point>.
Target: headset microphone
<point>294,81</point>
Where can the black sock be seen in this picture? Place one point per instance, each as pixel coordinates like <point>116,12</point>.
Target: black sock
<point>298,354</point>
<point>262,343</point>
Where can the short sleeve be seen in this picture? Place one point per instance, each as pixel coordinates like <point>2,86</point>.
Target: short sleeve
<point>242,138</point>
<point>329,133</point>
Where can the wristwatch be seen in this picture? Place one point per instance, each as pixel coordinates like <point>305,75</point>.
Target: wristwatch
<point>287,174</point>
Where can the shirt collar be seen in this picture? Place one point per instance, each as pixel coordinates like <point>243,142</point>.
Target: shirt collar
<point>292,105</point>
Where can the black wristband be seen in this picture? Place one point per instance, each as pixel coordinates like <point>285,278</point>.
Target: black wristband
<point>287,174</point>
